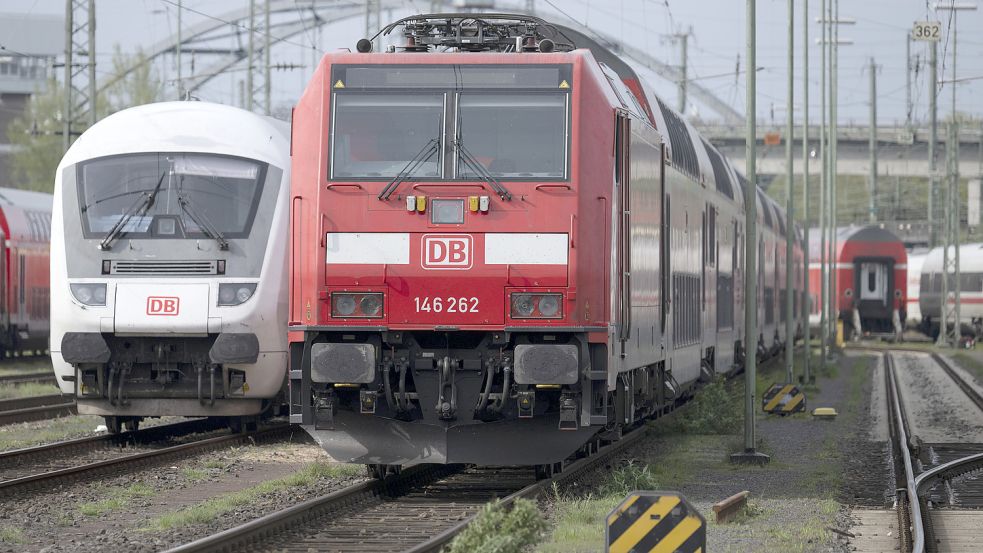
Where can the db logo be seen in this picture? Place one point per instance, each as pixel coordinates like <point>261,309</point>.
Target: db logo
<point>163,305</point>
<point>446,251</point>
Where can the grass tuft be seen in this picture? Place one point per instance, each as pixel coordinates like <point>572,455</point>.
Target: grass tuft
<point>118,498</point>
<point>9,534</point>
<point>27,389</point>
<point>193,474</point>
<point>629,477</point>
<point>497,530</point>
<point>714,410</point>
<point>211,509</point>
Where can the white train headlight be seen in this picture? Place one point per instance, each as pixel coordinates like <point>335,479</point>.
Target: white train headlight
<point>235,294</point>
<point>89,294</point>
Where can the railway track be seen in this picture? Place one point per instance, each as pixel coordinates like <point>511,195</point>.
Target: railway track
<point>419,510</point>
<point>35,408</point>
<point>923,489</point>
<point>44,466</point>
<point>41,377</point>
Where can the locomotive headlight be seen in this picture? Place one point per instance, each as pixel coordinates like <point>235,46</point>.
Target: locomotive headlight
<point>361,305</point>
<point>549,305</point>
<point>522,305</point>
<point>527,305</point>
<point>230,294</point>
<point>89,294</point>
<point>342,304</point>
<point>371,305</point>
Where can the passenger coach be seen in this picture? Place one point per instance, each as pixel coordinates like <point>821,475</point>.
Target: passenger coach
<point>168,269</point>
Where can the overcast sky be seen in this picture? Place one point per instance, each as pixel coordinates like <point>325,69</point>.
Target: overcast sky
<point>716,43</point>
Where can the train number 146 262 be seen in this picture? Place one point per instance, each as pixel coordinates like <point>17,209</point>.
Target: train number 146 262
<point>445,305</point>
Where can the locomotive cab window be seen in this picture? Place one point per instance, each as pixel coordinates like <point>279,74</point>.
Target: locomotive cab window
<point>170,195</point>
<point>512,135</point>
<point>380,135</point>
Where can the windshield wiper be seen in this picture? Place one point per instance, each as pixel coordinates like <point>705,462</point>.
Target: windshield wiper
<point>142,204</point>
<point>206,227</point>
<point>421,157</point>
<point>481,170</point>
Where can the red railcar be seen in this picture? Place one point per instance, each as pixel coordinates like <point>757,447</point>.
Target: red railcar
<point>505,250</point>
<point>870,273</point>
<point>25,221</point>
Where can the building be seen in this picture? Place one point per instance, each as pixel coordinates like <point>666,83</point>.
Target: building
<point>31,45</point>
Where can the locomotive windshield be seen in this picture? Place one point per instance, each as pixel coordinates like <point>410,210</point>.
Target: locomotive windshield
<point>463,122</point>
<point>170,195</point>
<point>514,135</point>
<point>376,135</point>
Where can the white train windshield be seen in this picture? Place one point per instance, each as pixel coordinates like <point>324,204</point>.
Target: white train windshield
<point>169,195</point>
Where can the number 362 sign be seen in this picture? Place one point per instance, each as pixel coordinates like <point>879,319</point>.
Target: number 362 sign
<point>930,31</point>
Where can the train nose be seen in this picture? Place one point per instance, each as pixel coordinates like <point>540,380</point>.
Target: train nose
<point>161,308</point>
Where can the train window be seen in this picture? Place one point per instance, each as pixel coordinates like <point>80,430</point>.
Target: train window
<point>514,135</point>
<point>195,189</point>
<point>378,135</point>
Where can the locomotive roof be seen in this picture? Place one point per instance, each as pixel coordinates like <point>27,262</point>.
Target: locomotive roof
<point>184,127</point>
<point>854,233</point>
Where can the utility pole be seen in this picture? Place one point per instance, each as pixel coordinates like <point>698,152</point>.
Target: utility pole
<point>683,39</point>
<point>80,94</point>
<point>933,138</point>
<point>266,57</point>
<point>951,335</point>
<point>373,20</point>
<point>907,47</point>
<point>250,57</point>
<point>749,455</point>
<point>180,81</point>
<point>824,183</point>
<point>833,167</point>
<point>872,206</point>
<point>835,22</point>
<point>807,300</point>
<point>789,204</point>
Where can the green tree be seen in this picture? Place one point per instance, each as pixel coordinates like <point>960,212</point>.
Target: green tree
<point>36,134</point>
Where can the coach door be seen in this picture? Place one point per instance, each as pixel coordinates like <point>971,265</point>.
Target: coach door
<point>873,282</point>
<point>622,178</point>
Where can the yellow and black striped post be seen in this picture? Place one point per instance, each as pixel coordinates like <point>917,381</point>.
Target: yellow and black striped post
<point>647,522</point>
<point>783,399</point>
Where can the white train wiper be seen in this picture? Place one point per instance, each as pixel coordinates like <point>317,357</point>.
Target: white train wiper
<point>421,157</point>
<point>206,227</point>
<point>142,204</point>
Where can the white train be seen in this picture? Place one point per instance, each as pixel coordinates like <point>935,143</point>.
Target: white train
<point>168,264</point>
<point>970,289</point>
<point>916,258</point>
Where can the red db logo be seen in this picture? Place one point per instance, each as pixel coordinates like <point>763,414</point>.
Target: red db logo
<point>446,251</point>
<point>163,305</point>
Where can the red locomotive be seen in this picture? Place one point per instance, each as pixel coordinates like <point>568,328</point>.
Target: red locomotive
<point>871,281</point>
<point>25,223</point>
<point>503,251</point>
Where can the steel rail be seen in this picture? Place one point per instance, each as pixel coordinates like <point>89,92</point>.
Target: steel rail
<point>34,408</point>
<point>137,460</point>
<point>911,501</point>
<point>254,533</point>
<point>46,376</point>
<point>575,469</point>
<point>968,389</point>
<point>89,443</point>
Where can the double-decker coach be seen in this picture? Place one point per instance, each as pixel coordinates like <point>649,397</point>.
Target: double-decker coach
<point>25,224</point>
